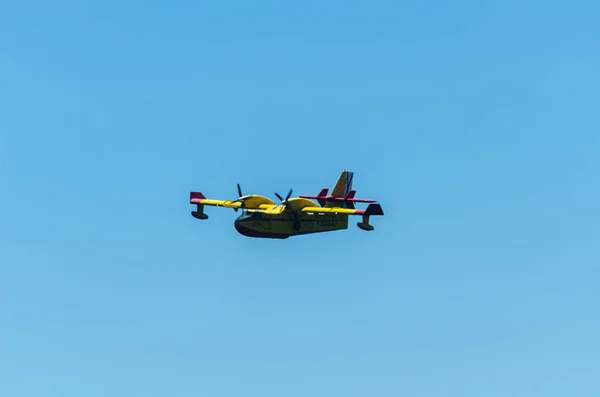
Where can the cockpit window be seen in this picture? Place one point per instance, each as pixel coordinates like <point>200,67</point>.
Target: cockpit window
<point>255,216</point>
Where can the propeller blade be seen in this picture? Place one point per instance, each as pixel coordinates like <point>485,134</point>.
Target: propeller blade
<point>239,190</point>
<point>278,196</point>
<point>288,195</point>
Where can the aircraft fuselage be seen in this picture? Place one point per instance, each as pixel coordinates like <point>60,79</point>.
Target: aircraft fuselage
<point>280,226</point>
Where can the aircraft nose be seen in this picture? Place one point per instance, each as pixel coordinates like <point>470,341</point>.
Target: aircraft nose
<point>241,228</point>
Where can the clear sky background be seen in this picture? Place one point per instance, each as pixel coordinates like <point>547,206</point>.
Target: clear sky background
<point>474,123</point>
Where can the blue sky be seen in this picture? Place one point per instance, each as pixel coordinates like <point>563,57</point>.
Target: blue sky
<point>475,124</point>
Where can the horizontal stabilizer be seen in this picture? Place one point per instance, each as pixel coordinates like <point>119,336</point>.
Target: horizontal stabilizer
<point>319,197</point>
<point>340,199</point>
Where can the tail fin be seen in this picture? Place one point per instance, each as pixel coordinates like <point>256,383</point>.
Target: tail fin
<point>321,196</point>
<point>343,184</point>
<point>342,193</point>
<point>348,199</point>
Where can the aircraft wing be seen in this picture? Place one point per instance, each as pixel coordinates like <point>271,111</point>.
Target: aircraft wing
<point>372,209</point>
<point>198,198</point>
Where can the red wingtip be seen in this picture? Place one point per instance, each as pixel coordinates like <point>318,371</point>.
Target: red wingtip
<point>196,196</point>
<point>374,209</point>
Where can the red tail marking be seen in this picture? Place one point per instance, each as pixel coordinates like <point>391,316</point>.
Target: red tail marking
<point>196,197</point>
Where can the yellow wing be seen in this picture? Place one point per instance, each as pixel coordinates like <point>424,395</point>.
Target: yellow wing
<point>199,199</point>
<point>372,209</point>
<point>252,201</point>
<point>330,210</point>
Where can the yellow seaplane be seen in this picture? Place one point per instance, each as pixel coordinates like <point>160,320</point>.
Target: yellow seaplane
<point>262,218</point>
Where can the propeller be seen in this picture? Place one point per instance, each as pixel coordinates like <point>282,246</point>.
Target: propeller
<point>239,189</point>
<point>285,207</point>
<point>284,201</point>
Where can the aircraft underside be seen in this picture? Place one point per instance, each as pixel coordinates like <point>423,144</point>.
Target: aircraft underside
<point>284,228</point>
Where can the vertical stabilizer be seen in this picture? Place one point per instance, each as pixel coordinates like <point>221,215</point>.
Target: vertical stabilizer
<point>343,184</point>
<point>342,194</point>
<point>342,187</point>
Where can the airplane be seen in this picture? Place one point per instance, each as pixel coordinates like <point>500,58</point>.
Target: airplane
<point>262,218</point>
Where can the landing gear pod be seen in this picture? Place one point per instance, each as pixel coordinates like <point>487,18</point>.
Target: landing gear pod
<point>365,226</point>
<point>199,213</point>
